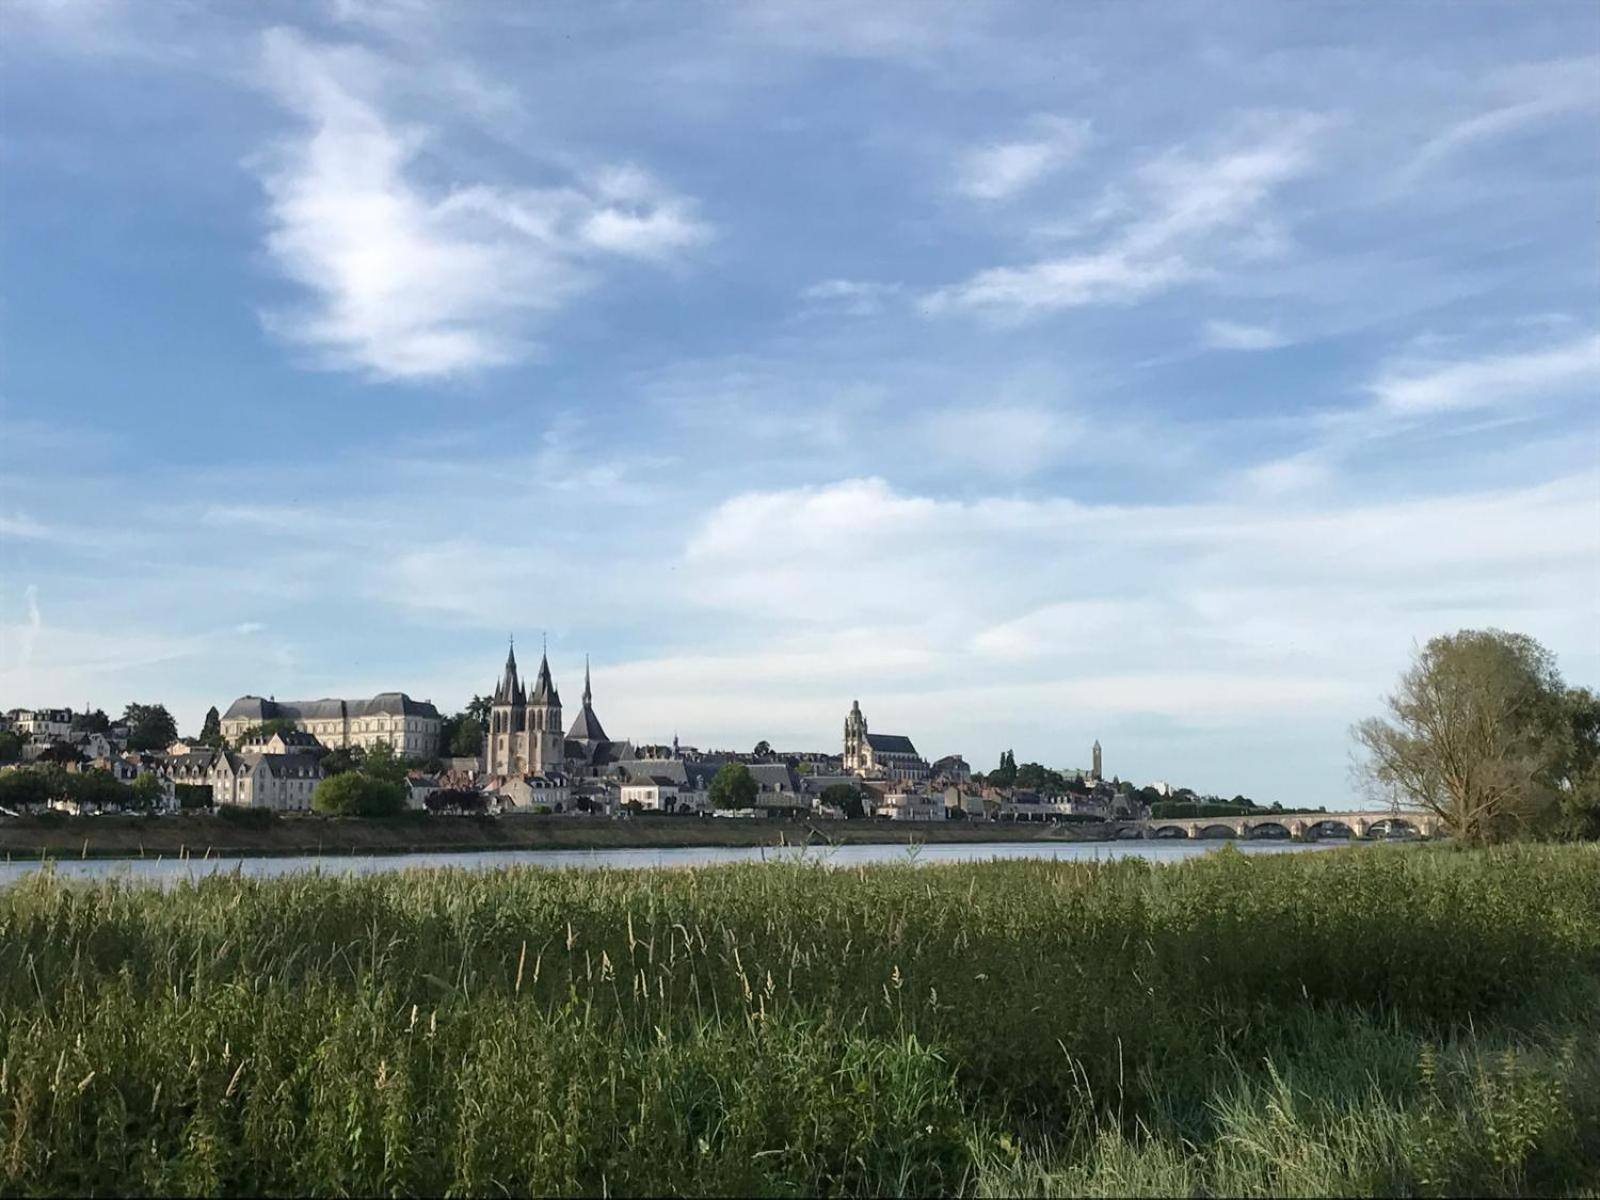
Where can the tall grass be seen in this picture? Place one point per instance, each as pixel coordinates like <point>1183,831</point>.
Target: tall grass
<point>1402,1021</point>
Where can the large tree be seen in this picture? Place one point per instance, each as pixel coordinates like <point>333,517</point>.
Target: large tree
<point>91,722</point>
<point>150,727</point>
<point>1579,775</point>
<point>1005,775</point>
<point>846,799</point>
<point>1471,734</point>
<point>10,745</point>
<point>211,731</point>
<point>733,786</point>
<point>354,794</point>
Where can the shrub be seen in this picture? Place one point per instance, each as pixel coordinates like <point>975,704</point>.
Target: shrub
<point>246,818</point>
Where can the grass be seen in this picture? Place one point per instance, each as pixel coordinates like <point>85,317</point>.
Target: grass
<point>1408,1021</point>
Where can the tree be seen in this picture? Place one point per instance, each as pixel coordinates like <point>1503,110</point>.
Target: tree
<point>1037,778</point>
<point>763,749</point>
<point>22,790</point>
<point>461,736</point>
<point>354,794</point>
<point>146,792</point>
<point>1579,773</point>
<point>381,763</point>
<point>478,709</point>
<point>10,746</point>
<point>98,789</point>
<point>846,799</point>
<point>1472,735</point>
<point>1005,775</point>
<point>733,786</point>
<point>211,730</point>
<point>91,722</point>
<point>337,762</point>
<point>150,727</point>
<point>263,731</point>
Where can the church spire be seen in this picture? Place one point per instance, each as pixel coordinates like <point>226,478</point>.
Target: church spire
<point>587,694</point>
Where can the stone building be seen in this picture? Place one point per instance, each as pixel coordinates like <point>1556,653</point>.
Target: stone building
<point>410,726</point>
<point>883,755</point>
<point>525,735</point>
<point>280,782</point>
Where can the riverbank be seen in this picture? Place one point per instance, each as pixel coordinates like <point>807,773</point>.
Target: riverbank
<point>1361,1021</point>
<point>308,834</point>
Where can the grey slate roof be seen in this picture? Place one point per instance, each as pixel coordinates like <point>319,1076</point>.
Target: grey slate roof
<point>890,743</point>
<point>587,727</point>
<point>392,704</point>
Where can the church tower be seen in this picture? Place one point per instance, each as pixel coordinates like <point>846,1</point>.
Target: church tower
<point>1094,771</point>
<point>855,739</point>
<point>546,739</point>
<point>503,750</point>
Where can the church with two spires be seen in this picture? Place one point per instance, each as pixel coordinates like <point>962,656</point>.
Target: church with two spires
<point>525,735</point>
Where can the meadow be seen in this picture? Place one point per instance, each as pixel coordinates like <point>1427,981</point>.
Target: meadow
<point>1377,1020</point>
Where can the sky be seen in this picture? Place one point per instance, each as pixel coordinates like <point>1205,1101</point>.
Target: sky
<point>1033,373</point>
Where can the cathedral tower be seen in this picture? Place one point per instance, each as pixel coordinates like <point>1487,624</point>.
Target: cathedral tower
<point>855,739</point>
<point>1094,771</point>
<point>524,731</point>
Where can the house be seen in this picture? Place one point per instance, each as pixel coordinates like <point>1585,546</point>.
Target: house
<point>550,792</point>
<point>652,793</point>
<point>280,782</point>
<point>905,804</point>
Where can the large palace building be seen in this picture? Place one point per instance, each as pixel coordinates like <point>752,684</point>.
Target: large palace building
<point>410,726</point>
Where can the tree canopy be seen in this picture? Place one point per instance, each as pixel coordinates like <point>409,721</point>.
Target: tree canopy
<point>846,799</point>
<point>91,722</point>
<point>733,786</point>
<point>211,730</point>
<point>150,727</point>
<point>1005,775</point>
<point>355,794</point>
<point>1478,732</point>
<point>10,745</point>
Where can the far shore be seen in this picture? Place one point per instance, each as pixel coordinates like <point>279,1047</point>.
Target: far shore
<point>306,834</point>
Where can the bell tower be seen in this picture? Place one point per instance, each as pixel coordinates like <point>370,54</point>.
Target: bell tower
<point>855,739</point>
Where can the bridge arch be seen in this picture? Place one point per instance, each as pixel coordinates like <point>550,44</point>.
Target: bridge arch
<point>1333,827</point>
<point>1386,825</point>
<point>1169,831</point>
<point>1268,829</point>
<point>1217,830</point>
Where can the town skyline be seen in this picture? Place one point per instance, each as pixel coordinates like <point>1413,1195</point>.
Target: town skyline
<point>784,355</point>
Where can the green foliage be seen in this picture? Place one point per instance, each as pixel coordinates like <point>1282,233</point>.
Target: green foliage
<point>381,763</point>
<point>1036,778</point>
<point>262,731</point>
<point>845,798</point>
<point>337,762</point>
<point>10,745</point>
<point>1578,773</point>
<point>357,794</point>
<point>1405,1022</point>
<point>1005,775</point>
<point>150,727</point>
<point>211,730</point>
<point>91,722</point>
<point>246,818</point>
<point>461,736</point>
<point>192,796</point>
<point>146,792</point>
<point>763,749</point>
<point>1475,734</point>
<point>733,786</point>
<point>24,788</point>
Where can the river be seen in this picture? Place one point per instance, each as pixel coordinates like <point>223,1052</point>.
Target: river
<point>171,870</point>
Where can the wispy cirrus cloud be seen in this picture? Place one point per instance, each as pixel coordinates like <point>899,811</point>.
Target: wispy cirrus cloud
<point>413,282</point>
<point>1419,389</point>
<point>1177,219</point>
<point>1001,170</point>
<point>1231,335</point>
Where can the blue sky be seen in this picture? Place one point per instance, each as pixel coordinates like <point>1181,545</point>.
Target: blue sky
<point>1033,373</point>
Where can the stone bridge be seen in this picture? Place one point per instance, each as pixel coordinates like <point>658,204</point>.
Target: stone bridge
<point>1299,826</point>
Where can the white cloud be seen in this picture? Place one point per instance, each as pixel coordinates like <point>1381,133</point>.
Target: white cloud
<point>1001,170</point>
<point>1530,93</point>
<point>1486,382</point>
<point>1229,335</point>
<point>849,297</point>
<point>1191,213</point>
<point>1002,439</point>
<point>411,282</point>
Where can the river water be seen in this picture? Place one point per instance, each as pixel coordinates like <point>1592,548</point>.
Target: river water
<point>173,870</point>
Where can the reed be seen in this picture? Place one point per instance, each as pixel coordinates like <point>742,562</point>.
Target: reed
<point>1373,1020</point>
